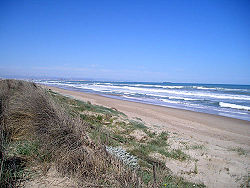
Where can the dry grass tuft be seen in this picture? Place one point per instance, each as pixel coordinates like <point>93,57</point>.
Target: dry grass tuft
<point>28,112</point>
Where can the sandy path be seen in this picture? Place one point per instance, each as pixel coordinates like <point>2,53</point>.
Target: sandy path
<point>218,165</point>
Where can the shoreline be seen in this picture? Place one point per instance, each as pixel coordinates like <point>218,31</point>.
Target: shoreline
<point>243,126</point>
<point>219,138</point>
<point>229,101</point>
<point>119,97</point>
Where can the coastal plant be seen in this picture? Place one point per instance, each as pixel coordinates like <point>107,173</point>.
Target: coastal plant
<point>239,150</point>
<point>124,156</point>
<point>195,169</point>
<point>150,133</point>
<point>178,155</point>
<point>197,146</point>
<point>137,124</point>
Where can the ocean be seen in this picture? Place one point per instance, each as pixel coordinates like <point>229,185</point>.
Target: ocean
<point>220,99</point>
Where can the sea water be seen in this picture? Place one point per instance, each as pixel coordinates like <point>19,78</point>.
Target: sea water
<point>220,99</point>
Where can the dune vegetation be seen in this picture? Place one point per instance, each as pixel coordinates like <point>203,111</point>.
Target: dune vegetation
<point>92,145</point>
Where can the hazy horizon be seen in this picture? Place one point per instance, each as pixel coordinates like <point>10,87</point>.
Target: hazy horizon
<point>107,80</point>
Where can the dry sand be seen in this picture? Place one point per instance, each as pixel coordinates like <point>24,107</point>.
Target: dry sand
<point>219,146</point>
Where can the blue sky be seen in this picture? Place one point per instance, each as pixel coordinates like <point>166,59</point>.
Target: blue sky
<point>178,41</point>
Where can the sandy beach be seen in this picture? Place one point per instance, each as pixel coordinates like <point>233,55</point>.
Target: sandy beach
<point>222,157</point>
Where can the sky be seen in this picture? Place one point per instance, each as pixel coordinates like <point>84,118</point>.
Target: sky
<point>206,41</point>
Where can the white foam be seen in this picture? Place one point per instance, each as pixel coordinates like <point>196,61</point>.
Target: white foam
<point>219,96</point>
<point>51,81</point>
<point>173,87</point>
<point>183,98</point>
<point>129,97</point>
<point>200,94</point>
<point>235,106</point>
<point>219,88</point>
<point>159,86</point>
<point>169,101</point>
<point>204,88</point>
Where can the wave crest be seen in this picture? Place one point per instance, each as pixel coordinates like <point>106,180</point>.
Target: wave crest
<point>235,106</point>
